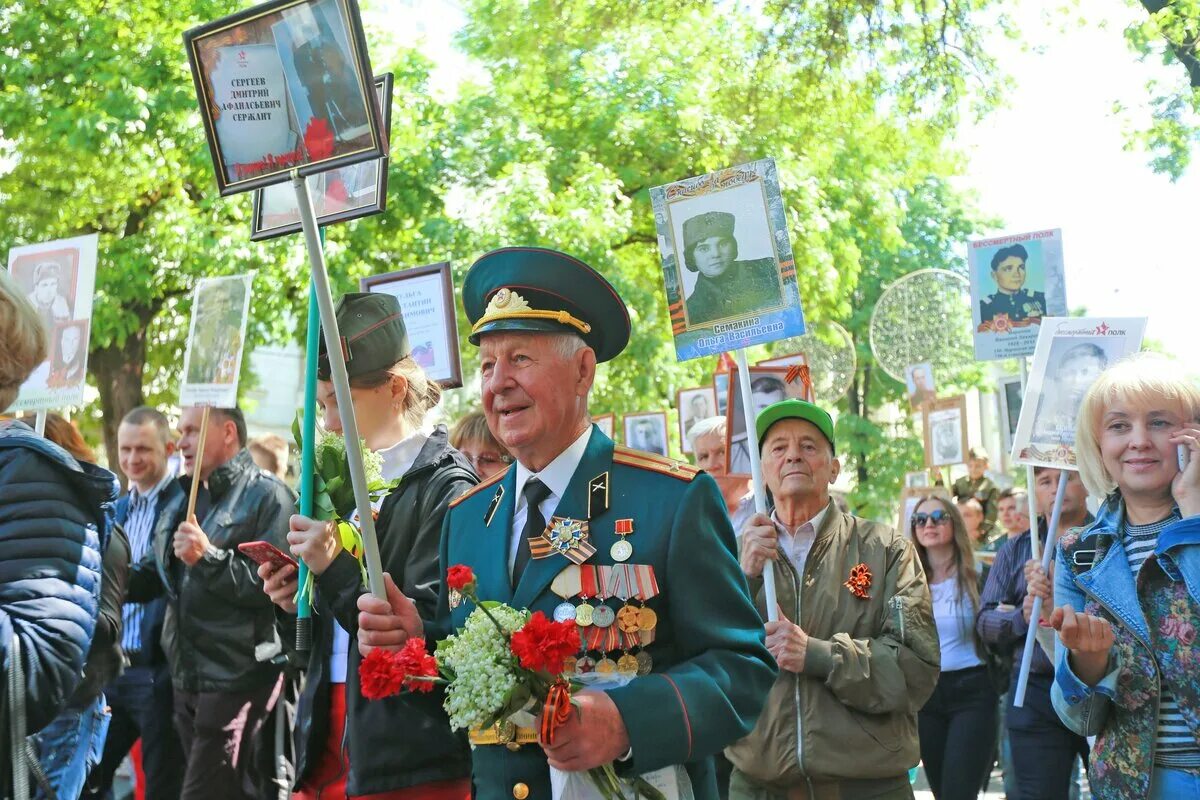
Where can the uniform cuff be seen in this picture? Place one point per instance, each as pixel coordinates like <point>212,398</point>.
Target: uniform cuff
<point>818,658</point>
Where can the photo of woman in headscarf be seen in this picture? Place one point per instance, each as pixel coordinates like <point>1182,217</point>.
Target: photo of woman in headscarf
<point>725,287</point>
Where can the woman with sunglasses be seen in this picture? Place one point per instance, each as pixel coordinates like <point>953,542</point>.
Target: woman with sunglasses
<point>957,726</point>
<point>1126,586</point>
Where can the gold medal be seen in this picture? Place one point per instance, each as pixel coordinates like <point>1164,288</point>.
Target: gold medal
<point>569,665</point>
<point>606,666</point>
<point>628,619</point>
<point>627,665</point>
<point>583,614</point>
<point>647,619</point>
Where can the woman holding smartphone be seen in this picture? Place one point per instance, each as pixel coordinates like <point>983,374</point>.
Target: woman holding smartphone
<point>399,748</point>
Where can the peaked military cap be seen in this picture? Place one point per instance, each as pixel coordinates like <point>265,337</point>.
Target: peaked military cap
<point>539,290</point>
<point>372,333</point>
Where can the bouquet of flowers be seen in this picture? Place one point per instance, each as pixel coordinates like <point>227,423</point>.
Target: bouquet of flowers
<point>333,492</point>
<point>499,668</point>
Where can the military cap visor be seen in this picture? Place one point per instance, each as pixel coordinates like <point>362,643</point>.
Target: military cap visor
<point>533,289</point>
<point>794,409</point>
<point>372,331</point>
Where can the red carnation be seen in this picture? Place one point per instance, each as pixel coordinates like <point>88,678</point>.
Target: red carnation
<point>543,646</point>
<point>380,675</point>
<point>459,577</point>
<point>416,663</point>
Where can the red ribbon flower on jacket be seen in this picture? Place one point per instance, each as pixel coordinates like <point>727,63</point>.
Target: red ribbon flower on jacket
<point>859,581</point>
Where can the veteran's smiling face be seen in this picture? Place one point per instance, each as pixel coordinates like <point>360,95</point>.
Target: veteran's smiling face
<point>534,397</point>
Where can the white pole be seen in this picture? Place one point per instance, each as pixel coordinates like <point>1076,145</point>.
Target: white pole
<point>1047,555</point>
<point>39,422</point>
<point>341,386</point>
<point>1035,543</point>
<point>756,478</point>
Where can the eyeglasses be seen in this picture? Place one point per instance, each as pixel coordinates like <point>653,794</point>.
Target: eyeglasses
<point>488,460</point>
<point>935,517</point>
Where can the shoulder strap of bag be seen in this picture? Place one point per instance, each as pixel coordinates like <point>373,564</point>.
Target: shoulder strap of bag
<point>24,759</point>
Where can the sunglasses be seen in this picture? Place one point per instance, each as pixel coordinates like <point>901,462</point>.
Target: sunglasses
<point>936,517</point>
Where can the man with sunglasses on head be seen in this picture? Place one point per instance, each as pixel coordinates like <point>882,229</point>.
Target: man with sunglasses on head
<point>855,641</point>
<point>1043,749</point>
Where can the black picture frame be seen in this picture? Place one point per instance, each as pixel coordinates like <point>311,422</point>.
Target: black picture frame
<point>260,232</point>
<point>382,283</point>
<point>375,146</point>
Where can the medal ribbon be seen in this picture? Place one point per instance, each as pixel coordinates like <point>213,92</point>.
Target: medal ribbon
<point>556,710</point>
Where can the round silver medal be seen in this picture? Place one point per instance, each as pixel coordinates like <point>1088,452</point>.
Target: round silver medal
<point>564,612</point>
<point>621,550</point>
<point>603,616</point>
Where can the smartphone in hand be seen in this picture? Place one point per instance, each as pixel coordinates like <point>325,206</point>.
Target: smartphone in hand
<point>266,553</point>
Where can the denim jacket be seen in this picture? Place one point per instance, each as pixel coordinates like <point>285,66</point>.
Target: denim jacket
<point>1155,636</point>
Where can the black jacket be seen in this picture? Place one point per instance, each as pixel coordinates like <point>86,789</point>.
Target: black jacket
<point>55,515</point>
<point>219,633</point>
<point>405,740</point>
<point>105,658</point>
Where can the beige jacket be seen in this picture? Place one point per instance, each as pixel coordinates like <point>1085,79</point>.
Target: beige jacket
<point>870,664</point>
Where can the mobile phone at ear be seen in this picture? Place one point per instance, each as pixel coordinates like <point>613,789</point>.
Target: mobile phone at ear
<point>266,553</point>
<point>1183,453</point>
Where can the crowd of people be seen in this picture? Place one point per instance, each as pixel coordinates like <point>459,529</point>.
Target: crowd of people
<point>124,618</point>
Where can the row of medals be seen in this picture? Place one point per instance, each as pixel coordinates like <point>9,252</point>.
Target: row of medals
<point>630,619</point>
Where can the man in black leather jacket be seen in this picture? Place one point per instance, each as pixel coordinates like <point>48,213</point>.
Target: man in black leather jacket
<point>219,633</point>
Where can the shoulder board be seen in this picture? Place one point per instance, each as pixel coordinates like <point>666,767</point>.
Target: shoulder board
<point>654,463</point>
<point>499,476</point>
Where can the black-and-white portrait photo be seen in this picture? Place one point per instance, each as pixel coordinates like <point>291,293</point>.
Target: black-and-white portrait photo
<point>919,382</point>
<point>945,431</point>
<point>69,354</point>
<point>647,432</point>
<point>768,386</point>
<point>694,404</point>
<point>1074,365</point>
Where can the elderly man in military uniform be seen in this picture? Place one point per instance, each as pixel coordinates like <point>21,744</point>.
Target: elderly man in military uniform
<point>1011,300</point>
<point>725,287</point>
<point>650,577</point>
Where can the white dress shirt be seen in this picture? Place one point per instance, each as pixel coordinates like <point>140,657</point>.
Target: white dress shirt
<point>556,476</point>
<point>397,460</point>
<point>797,544</point>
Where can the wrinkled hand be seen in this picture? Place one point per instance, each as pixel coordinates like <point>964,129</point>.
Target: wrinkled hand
<point>1088,638</point>
<point>1037,584</point>
<point>1186,485</point>
<point>190,542</point>
<point>279,585</point>
<point>313,541</point>
<point>593,736</point>
<point>788,643</point>
<point>387,624</point>
<point>760,544</point>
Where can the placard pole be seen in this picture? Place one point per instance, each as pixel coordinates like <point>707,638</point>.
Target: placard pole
<point>39,422</point>
<point>1036,614</point>
<point>197,465</point>
<point>341,386</point>
<point>308,450</point>
<point>756,477</point>
<point>1030,496</point>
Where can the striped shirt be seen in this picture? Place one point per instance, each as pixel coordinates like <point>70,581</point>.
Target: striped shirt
<point>139,527</point>
<point>1175,747</point>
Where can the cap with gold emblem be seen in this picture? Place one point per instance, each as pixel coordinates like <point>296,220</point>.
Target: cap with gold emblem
<point>539,290</point>
<point>372,333</point>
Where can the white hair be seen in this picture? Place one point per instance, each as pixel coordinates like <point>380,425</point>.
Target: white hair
<point>706,427</point>
<point>567,344</point>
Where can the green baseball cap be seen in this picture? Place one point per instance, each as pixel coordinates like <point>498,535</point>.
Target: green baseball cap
<point>794,409</point>
<point>372,333</point>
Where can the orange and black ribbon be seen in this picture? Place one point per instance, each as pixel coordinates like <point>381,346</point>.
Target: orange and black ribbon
<point>556,711</point>
<point>860,581</point>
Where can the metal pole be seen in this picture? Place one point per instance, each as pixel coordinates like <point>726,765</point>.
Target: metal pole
<point>39,422</point>
<point>1035,544</point>
<point>1036,614</point>
<point>341,386</point>
<point>756,477</point>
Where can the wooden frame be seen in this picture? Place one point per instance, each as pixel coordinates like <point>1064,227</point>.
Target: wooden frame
<point>259,231</point>
<point>241,30</point>
<point>449,377</point>
<point>711,393</point>
<point>932,414</point>
<point>660,416</point>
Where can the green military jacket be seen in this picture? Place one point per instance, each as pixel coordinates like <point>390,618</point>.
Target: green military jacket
<point>711,669</point>
<point>744,287</point>
<point>988,495</point>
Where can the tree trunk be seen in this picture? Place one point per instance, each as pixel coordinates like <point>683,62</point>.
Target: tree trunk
<point>118,372</point>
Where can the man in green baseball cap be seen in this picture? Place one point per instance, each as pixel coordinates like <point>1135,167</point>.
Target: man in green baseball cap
<point>863,655</point>
<point>725,287</point>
